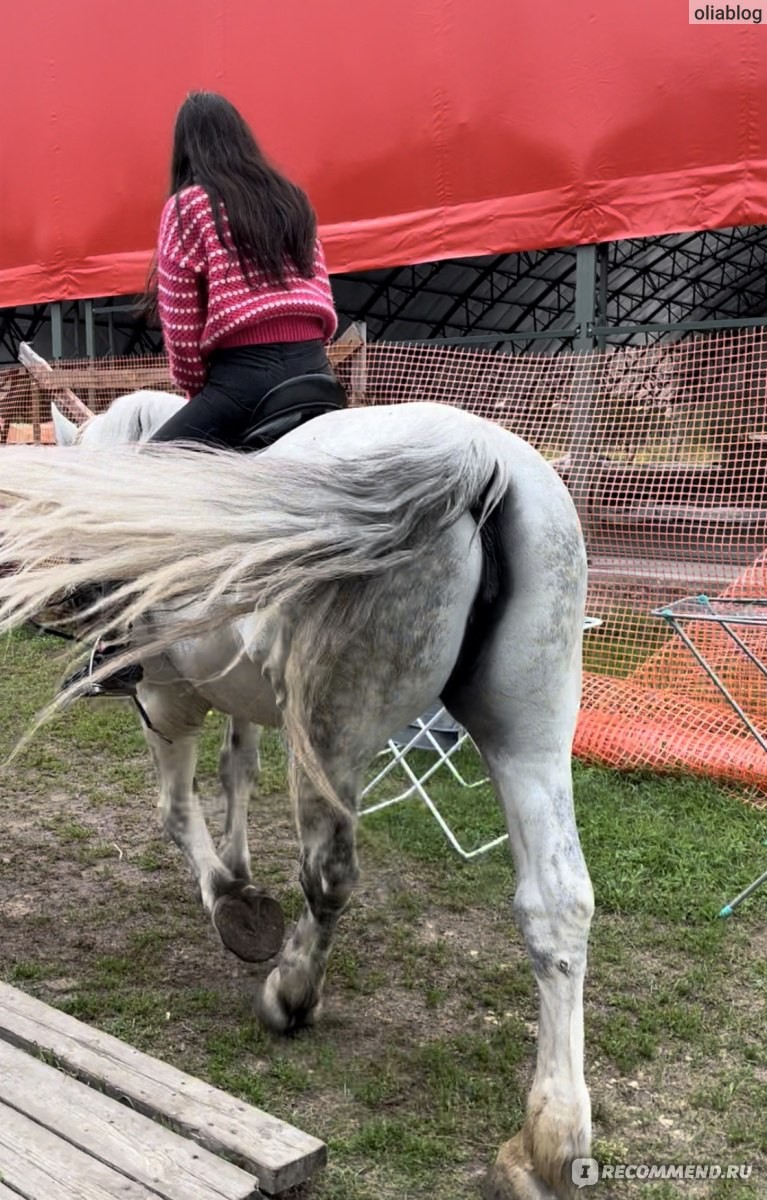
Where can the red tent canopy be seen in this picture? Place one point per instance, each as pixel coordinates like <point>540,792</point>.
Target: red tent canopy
<point>421,129</point>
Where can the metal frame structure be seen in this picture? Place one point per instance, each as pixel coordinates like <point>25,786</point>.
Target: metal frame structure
<point>578,299</point>
<point>726,612</point>
<point>424,731</point>
<point>80,328</point>
<point>583,298</point>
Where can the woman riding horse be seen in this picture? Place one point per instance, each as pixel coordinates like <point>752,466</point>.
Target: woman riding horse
<point>240,279</point>
<point>240,286</point>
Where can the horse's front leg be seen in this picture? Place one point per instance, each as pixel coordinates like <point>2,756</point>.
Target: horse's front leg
<point>249,923</point>
<point>329,872</point>
<point>239,769</point>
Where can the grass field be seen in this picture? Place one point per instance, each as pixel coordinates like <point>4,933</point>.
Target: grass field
<point>421,1063</point>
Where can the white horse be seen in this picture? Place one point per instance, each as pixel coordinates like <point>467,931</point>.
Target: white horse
<point>368,562</point>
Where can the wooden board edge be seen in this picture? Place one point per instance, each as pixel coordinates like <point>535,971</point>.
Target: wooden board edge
<point>272,1179</point>
<point>45,1095</point>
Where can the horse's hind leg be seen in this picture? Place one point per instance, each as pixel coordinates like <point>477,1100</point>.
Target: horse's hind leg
<point>291,997</point>
<point>372,686</point>
<point>553,907</point>
<point>520,704</point>
<point>239,767</point>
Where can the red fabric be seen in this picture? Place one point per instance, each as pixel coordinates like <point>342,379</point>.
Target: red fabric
<point>421,129</point>
<point>191,260</point>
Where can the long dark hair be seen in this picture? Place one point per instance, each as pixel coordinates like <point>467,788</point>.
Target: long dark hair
<point>271,224</point>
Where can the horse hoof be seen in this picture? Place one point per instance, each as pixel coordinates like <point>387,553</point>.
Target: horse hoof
<point>249,923</point>
<point>277,1015</point>
<point>513,1178</point>
<point>497,1186</point>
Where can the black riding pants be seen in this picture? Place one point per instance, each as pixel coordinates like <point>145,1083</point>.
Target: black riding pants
<point>238,379</point>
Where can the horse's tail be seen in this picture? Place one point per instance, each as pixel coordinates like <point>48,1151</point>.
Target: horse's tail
<point>230,532</point>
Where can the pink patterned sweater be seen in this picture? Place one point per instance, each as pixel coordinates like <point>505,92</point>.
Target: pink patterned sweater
<point>206,303</point>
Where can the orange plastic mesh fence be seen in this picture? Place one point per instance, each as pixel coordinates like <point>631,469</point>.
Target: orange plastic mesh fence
<point>665,451</point>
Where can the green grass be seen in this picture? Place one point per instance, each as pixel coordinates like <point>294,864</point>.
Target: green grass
<point>421,1063</point>
<point>626,639</point>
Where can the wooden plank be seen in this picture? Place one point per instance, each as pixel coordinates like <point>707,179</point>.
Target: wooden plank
<point>40,1166</point>
<point>686,573</point>
<point>172,1166</point>
<point>5,1194</point>
<point>116,379</point>
<point>280,1155</point>
<point>42,373</point>
<point>667,513</point>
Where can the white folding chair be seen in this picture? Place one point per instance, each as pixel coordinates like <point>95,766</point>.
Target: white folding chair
<point>435,732</point>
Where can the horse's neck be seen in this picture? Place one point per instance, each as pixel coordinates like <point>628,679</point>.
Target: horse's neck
<point>132,418</point>
<point>155,409</point>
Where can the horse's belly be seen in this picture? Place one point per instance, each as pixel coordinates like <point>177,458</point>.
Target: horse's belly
<point>250,697</point>
<point>227,678</point>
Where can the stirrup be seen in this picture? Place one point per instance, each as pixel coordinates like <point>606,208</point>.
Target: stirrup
<point>122,683</point>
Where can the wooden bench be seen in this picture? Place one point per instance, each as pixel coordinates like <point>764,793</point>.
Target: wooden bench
<point>88,1127</point>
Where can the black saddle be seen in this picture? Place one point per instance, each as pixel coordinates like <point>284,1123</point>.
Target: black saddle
<point>290,404</point>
